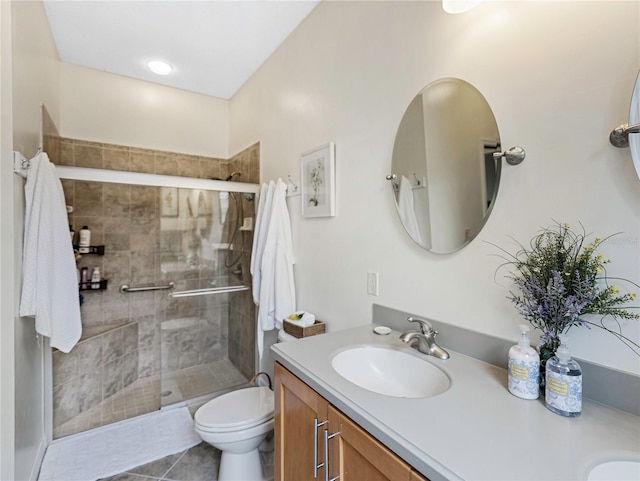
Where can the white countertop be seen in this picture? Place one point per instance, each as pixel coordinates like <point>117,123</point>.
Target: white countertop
<point>476,430</point>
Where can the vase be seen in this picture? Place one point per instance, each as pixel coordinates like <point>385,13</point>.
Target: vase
<point>546,351</point>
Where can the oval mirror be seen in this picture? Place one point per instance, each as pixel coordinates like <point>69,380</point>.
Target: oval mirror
<point>445,178</point>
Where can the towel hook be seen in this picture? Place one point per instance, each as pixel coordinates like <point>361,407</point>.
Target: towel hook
<point>295,187</point>
<point>292,188</point>
<point>21,164</point>
<point>394,184</point>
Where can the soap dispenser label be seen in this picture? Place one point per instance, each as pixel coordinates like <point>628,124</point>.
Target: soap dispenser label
<point>563,393</point>
<point>519,371</point>
<point>523,379</point>
<point>558,387</point>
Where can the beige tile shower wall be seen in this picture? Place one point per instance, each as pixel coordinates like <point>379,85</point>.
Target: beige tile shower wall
<point>97,155</point>
<point>247,162</point>
<point>242,332</point>
<point>126,219</point>
<point>96,369</point>
<point>242,313</point>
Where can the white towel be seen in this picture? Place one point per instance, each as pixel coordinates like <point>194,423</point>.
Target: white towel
<point>407,211</point>
<point>49,279</point>
<point>634,118</point>
<point>259,236</point>
<point>307,319</point>
<point>277,288</point>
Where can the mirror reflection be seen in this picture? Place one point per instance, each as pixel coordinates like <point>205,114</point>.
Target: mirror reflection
<point>446,178</point>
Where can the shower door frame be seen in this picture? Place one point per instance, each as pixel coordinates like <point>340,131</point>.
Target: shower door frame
<point>152,180</point>
<point>130,178</point>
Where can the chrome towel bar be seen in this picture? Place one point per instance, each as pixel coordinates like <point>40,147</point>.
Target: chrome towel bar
<point>126,288</point>
<point>210,290</point>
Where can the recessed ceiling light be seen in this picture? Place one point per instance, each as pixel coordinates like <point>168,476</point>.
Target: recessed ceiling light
<point>160,67</point>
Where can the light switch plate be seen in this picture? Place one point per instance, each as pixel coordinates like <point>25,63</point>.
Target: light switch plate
<point>372,284</point>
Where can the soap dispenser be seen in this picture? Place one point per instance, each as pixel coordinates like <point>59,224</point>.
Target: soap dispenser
<point>524,367</point>
<point>563,392</point>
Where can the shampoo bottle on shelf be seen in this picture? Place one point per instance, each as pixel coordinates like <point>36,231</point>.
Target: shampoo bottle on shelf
<point>563,383</point>
<point>84,240</point>
<point>524,367</point>
<point>84,277</point>
<point>95,278</point>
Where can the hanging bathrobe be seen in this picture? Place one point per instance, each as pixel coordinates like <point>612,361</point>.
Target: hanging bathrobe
<point>277,288</point>
<point>49,279</point>
<point>407,211</point>
<point>259,235</point>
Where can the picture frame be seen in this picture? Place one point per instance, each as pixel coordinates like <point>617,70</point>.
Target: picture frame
<point>318,181</point>
<point>169,201</point>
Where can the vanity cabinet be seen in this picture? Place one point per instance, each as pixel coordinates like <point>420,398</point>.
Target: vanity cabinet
<point>303,419</point>
<point>297,409</point>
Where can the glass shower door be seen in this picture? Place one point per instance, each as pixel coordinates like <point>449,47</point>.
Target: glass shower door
<point>203,251</point>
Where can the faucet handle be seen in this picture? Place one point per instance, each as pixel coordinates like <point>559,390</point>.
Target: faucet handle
<point>425,326</point>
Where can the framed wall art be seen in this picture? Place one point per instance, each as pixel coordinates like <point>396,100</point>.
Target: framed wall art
<point>318,182</point>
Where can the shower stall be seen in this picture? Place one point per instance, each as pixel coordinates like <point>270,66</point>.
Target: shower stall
<point>173,321</point>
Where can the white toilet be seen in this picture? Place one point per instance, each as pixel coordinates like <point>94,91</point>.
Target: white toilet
<point>236,423</point>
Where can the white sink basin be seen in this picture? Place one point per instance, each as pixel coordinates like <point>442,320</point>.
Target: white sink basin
<point>390,372</point>
<point>616,471</point>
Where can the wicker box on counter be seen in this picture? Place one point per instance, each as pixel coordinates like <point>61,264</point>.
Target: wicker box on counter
<point>295,330</point>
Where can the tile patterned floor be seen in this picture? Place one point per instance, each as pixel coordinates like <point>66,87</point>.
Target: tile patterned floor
<point>199,463</point>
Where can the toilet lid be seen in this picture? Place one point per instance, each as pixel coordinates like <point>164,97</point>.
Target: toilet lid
<point>244,407</point>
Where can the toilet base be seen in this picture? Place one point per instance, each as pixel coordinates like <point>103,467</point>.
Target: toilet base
<point>241,467</point>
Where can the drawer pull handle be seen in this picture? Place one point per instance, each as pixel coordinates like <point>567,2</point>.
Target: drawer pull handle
<point>316,466</point>
<point>328,436</point>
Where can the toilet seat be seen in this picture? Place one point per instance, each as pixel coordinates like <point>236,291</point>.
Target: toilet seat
<point>237,410</point>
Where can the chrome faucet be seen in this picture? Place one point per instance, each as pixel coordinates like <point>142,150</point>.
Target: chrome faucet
<point>426,338</point>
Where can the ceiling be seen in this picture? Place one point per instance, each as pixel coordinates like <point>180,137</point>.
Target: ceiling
<point>214,46</point>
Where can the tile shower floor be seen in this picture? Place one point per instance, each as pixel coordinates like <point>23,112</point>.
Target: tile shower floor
<point>198,381</point>
<point>144,396</point>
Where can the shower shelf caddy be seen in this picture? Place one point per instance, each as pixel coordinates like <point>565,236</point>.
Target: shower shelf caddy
<point>96,250</point>
<point>86,286</point>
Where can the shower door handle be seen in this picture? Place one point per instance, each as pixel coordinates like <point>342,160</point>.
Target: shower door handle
<point>126,288</point>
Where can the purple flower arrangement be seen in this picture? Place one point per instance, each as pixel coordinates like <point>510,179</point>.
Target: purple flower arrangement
<point>561,278</point>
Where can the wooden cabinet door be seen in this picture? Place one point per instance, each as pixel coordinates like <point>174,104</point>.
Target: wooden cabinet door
<point>296,408</point>
<point>355,455</point>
